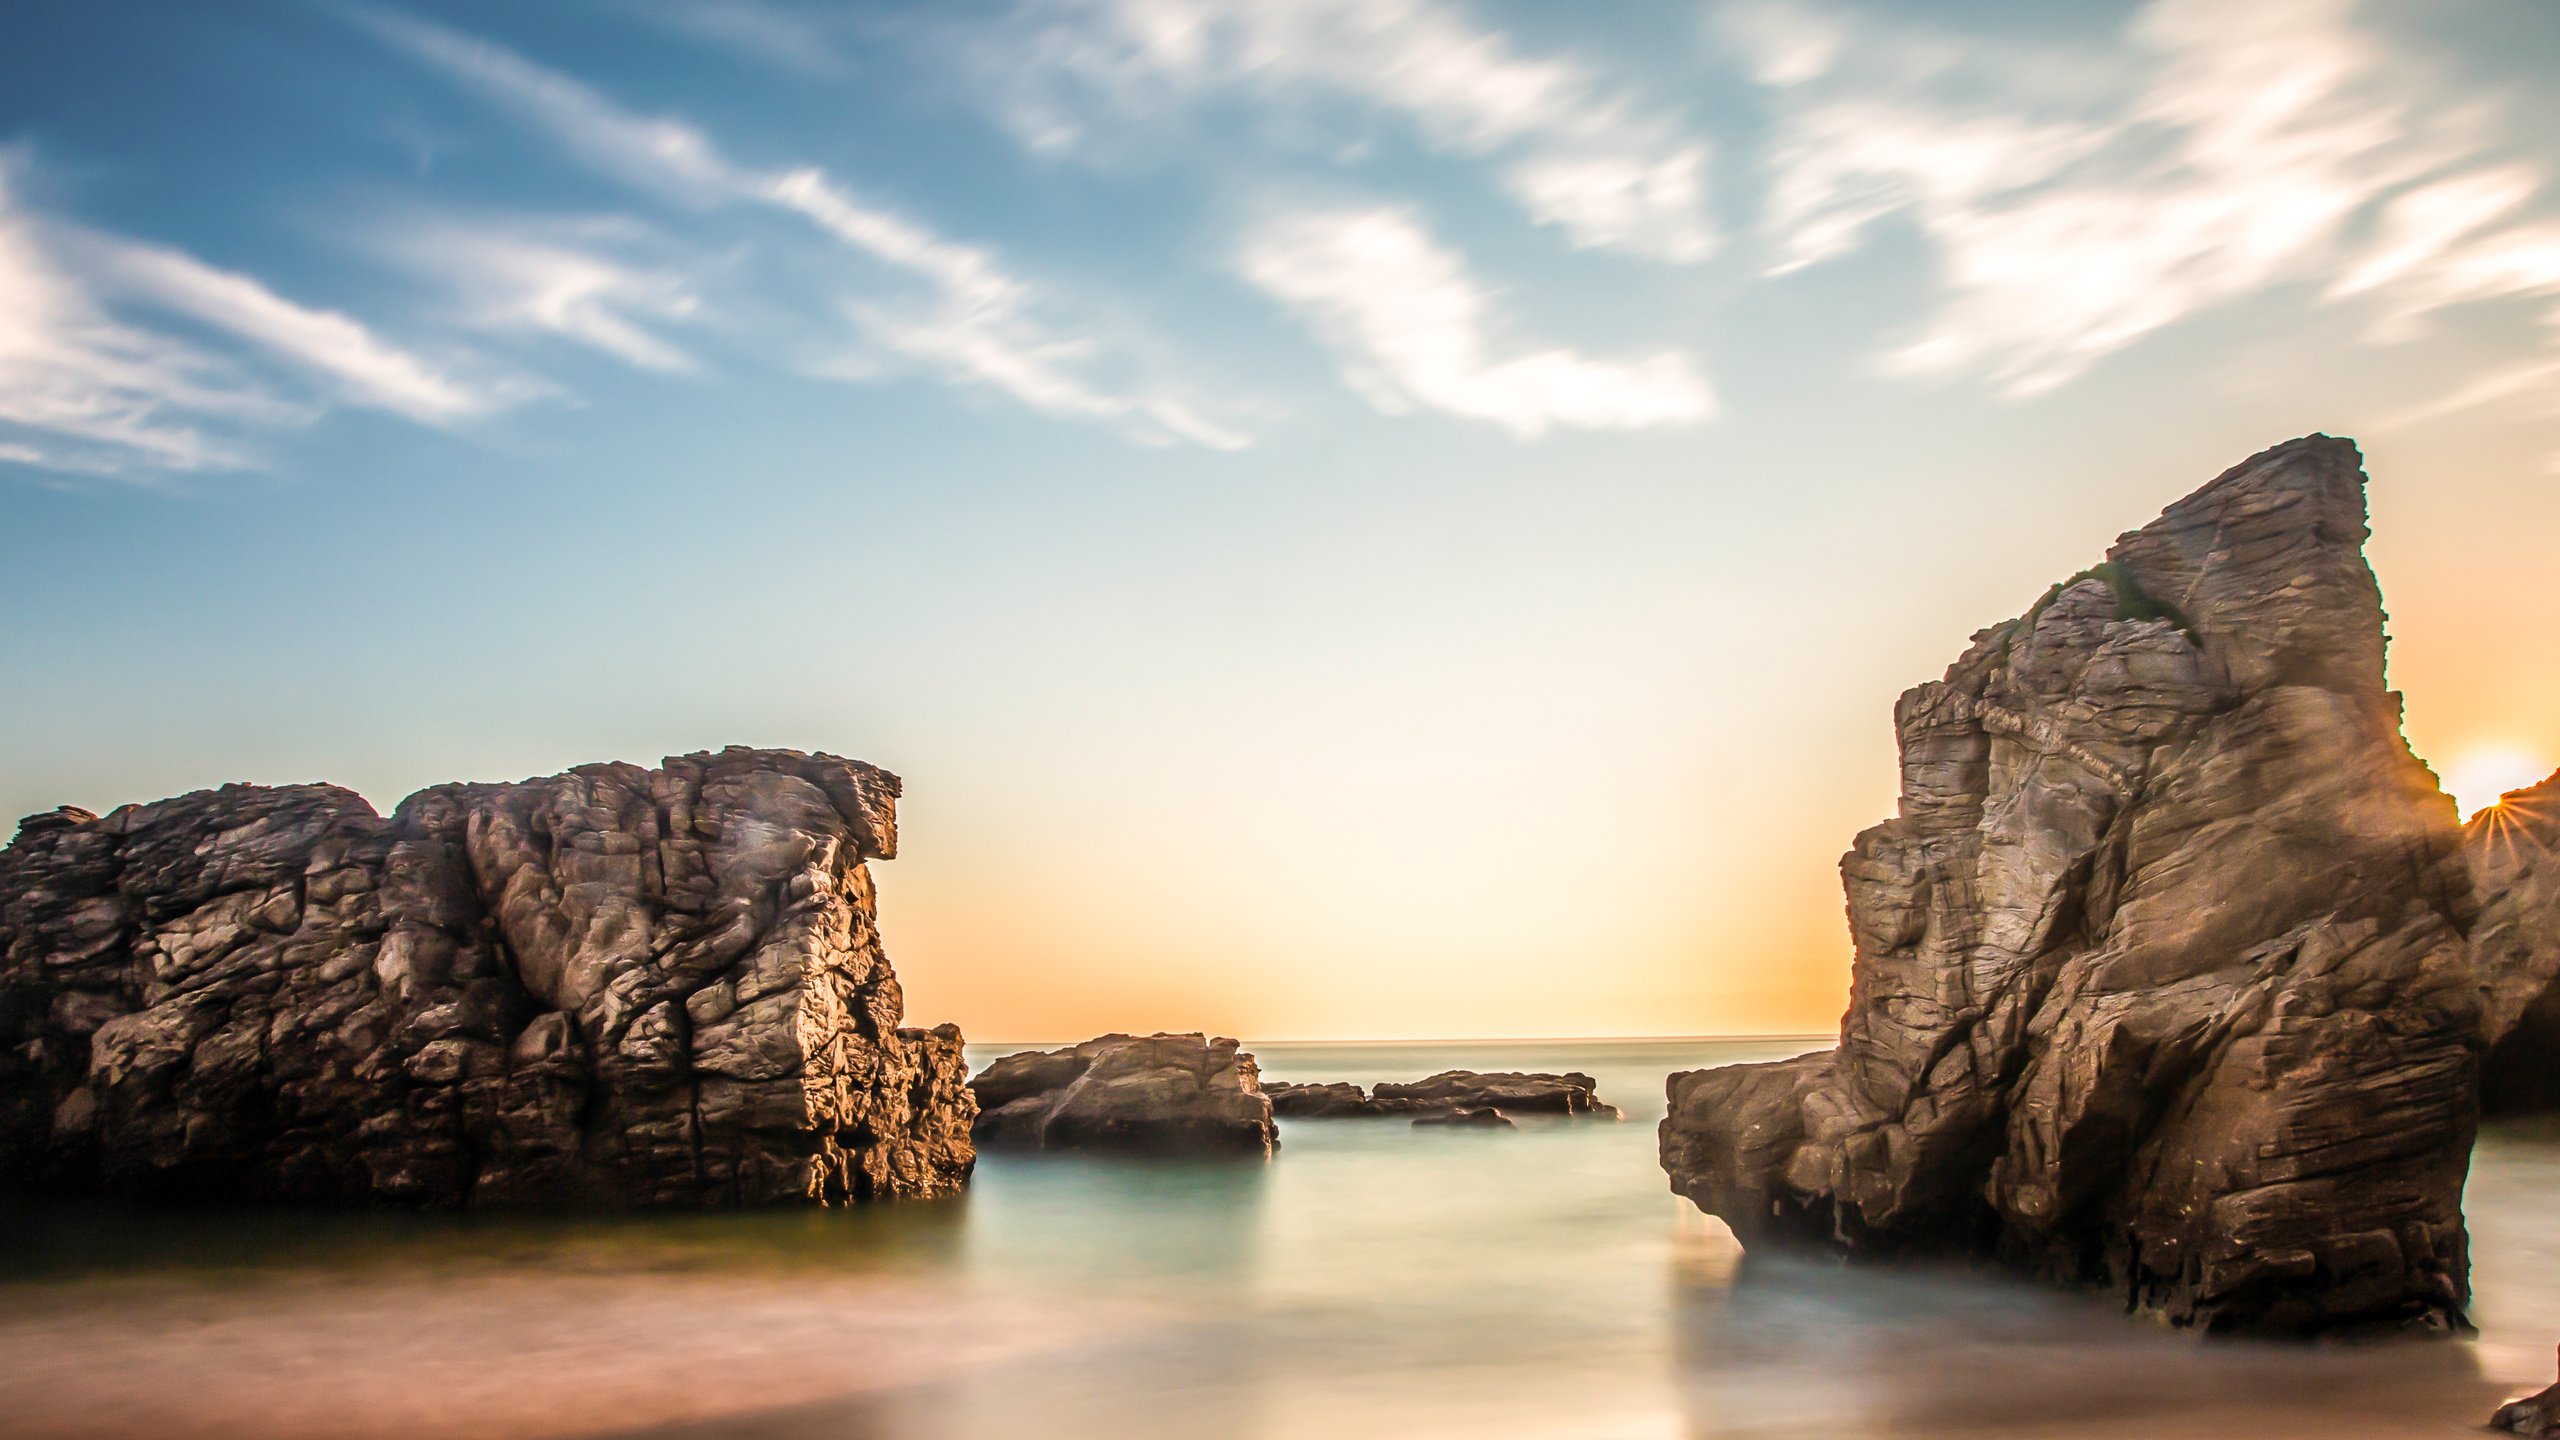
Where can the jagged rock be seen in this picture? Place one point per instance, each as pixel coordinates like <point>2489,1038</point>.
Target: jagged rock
<point>2160,981</point>
<point>2515,946</point>
<point>2537,1414</point>
<point>1467,1116</point>
<point>616,985</point>
<point>1538,1093</point>
<point>1158,1094</point>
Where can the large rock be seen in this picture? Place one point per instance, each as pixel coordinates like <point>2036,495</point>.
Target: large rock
<point>616,985</point>
<point>1572,1093</point>
<point>2515,946</point>
<point>1157,1094</point>
<point>2160,979</point>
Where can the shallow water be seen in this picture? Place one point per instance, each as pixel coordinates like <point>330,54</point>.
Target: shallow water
<point>1376,1280</point>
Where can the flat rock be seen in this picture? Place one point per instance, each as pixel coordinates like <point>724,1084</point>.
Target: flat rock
<point>1526,1092</point>
<point>2160,982</point>
<point>1154,1094</point>
<point>617,985</point>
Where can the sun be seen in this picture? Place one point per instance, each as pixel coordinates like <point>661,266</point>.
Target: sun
<point>2478,777</point>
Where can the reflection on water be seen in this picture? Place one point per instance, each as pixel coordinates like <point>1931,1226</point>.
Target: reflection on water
<point>1377,1280</point>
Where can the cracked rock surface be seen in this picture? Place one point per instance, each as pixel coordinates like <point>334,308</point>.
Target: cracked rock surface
<point>2160,981</point>
<point>618,985</point>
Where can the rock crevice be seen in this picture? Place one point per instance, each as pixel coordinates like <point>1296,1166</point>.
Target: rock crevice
<point>2159,978</point>
<point>616,985</point>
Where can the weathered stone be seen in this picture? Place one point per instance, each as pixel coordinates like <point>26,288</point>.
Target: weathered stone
<point>1159,1094</point>
<point>2160,981</point>
<point>2515,946</point>
<point>615,985</point>
<point>1529,1093</point>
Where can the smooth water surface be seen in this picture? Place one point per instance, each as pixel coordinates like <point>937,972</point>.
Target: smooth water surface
<point>1375,1280</point>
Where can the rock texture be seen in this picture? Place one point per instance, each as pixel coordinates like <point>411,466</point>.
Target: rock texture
<point>2515,946</point>
<point>1155,1094</point>
<point>2160,980</point>
<point>1528,1093</point>
<point>616,985</point>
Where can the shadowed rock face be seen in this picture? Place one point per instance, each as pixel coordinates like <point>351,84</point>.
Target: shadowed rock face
<point>2515,946</point>
<point>1159,1094</point>
<point>2159,980</point>
<point>617,985</point>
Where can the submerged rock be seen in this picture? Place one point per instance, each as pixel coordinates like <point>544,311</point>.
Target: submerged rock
<point>1473,1116</point>
<point>1157,1094</point>
<point>1527,1092</point>
<point>2515,946</point>
<point>2159,981</point>
<point>616,985</point>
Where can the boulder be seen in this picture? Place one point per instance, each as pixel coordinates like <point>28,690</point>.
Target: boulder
<point>2160,981</point>
<point>616,985</point>
<point>2515,946</point>
<point>1329,1100</point>
<point>2537,1414</point>
<point>1153,1094</point>
<point>1467,1116</point>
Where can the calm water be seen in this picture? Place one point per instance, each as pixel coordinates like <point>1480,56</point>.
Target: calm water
<point>1376,1280</point>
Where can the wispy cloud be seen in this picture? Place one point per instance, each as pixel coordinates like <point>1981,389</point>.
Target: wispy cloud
<point>1573,153</point>
<point>974,323</point>
<point>2230,149</point>
<point>564,278</point>
<point>90,384</point>
<point>1414,330</point>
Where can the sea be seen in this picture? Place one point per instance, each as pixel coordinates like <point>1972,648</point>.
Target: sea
<point>1374,1280</point>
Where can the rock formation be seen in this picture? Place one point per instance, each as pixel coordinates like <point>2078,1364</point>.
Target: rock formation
<point>1469,1117</point>
<point>2515,946</point>
<point>616,985</point>
<point>1155,1094</point>
<point>1528,1093</point>
<point>2536,1414</point>
<point>2159,979</point>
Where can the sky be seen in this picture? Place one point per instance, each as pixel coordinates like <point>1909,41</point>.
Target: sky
<point>1354,519</point>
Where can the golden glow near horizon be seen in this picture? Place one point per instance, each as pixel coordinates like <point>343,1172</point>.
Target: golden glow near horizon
<point>2477,778</point>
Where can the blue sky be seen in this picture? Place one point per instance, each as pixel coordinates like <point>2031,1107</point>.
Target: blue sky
<point>1353,518</point>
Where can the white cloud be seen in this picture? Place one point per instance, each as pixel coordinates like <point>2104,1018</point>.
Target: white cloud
<point>1574,155</point>
<point>86,385</point>
<point>560,278</point>
<point>2233,149</point>
<point>1414,330</point>
<point>975,324</point>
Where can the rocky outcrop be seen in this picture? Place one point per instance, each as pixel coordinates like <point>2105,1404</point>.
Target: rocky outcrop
<point>2159,982</point>
<point>2515,946</point>
<point>616,985</point>
<point>1528,1093</point>
<point>1153,1094</point>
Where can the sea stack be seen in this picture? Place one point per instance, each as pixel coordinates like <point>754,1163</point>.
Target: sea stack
<point>2160,981</point>
<point>619,985</point>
